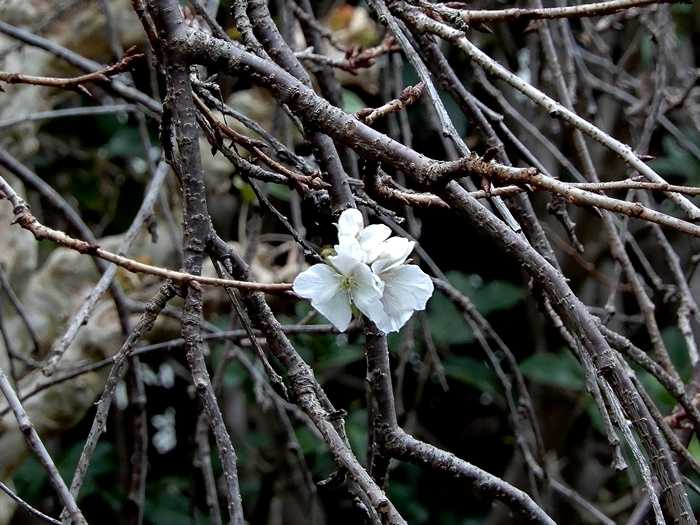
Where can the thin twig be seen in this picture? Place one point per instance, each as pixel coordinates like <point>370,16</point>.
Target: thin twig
<point>25,219</point>
<point>577,11</point>
<point>37,446</point>
<point>26,506</point>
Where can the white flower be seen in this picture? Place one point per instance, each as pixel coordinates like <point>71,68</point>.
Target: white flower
<point>387,293</point>
<point>333,287</point>
<point>406,287</point>
<point>148,375</point>
<point>166,375</point>
<point>351,229</point>
<point>165,437</point>
<point>121,396</point>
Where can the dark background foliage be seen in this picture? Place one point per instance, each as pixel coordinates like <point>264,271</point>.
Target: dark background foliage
<point>449,393</point>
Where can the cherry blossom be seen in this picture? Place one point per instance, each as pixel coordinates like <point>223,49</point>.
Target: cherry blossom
<point>334,287</point>
<point>407,288</point>
<point>368,271</point>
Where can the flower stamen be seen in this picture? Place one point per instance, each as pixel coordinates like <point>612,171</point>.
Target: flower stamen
<point>348,282</point>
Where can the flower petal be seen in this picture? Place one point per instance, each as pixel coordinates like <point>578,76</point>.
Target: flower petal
<point>349,247</point>
<point>319,283</point>
<point>406,287</point>
<point>336,309</point>
<point>393,252</point>
<point>372,236</point>
<point>394,322</point>
<point>366,279</point>
<point>346,262</point>
<point>350,223</point>
<point>367,294</point>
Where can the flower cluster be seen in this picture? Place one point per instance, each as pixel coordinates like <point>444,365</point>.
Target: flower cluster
<point>368,271</point>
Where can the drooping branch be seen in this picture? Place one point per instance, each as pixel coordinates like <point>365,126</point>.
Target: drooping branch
<point>394,442</point>
<point>37,446</point>
<point>305,86</point>
<point>186,161</point>
<point>26,506</point>
<point>202,48</point>
<point>304,389</point>
<point>24,218</point>
<point>423,23</point>
<point>77,83</point>
<point>280,52</point>
<point>581,322</point>
<point>83,313</point>
<point>473,16</point>
<point>127,92</point>
<point>117,373</point>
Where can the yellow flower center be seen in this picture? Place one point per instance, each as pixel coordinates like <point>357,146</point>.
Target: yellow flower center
<point>348,282</point>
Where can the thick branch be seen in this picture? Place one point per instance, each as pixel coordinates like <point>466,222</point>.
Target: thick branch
<point>196,227</point>
<point>554,108</point>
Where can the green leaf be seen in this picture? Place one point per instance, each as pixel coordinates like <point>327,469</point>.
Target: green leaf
<point>315,452</point>
<point>278,191</point>
<point>658,393</point>
<point>496,296</point>
<point>167,502</point>
<point>235,374</point>
<point>559,369</point>
<point>447,323</point>
<point>103,464</point>
<point>338,357</point>
<point>29,479</point>
<point>489,297</point>
<point>694,448</point>
<point>678,350</point>
<point>307,441</point>
<point>676,162</point>
<point>405,492</point>
<point>125,142</point>
<point>594,414</point>
<point>356,425</point>
<point>351,102</point>
<point>646,49</point>
<point>247,193</point>
<point>471,372</point>
<point>492,296</point>
<point>456,114</point>
<point>412,507</point>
